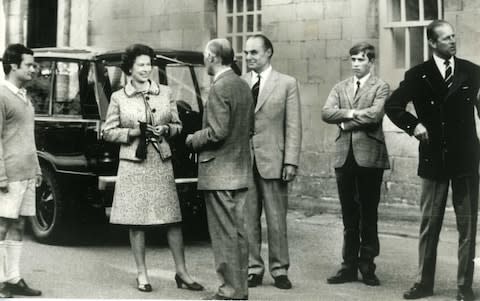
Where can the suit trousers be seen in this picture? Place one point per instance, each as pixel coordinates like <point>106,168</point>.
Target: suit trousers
<point>271,195</point>
<point>226,224</point>
<point>465,203</point>
<point>359,193</point>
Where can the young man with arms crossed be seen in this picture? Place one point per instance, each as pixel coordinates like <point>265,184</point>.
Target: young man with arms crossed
<point>355,105</point>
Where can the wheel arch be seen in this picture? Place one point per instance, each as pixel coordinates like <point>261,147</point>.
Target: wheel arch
<point>47,160</point>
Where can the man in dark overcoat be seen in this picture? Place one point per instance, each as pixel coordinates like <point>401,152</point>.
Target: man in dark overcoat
<point>443,91</point>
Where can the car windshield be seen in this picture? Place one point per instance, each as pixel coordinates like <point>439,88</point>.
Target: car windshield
<point>64,77</point>
<point>39,87</point>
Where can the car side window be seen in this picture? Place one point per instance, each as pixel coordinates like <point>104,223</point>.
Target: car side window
<point>204,82</point>
<point>116,77</point>
<point>39,87</point>
<point>66,99</point>
<point>181,83</point>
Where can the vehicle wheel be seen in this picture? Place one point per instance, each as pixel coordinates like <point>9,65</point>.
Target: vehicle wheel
<point>49,224</point>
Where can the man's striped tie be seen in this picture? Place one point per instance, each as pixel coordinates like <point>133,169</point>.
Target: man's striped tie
<point>448,74</point>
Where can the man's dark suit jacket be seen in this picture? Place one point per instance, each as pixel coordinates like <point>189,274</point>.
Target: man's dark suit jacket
<point>447,113</point>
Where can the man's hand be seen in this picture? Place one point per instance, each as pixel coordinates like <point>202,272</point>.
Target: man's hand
<point>289,172</point>
<point>38,180</point>
<point>421,133</point>
<point>188,141</point>
<point>351,114</point>
<point>358,114</point>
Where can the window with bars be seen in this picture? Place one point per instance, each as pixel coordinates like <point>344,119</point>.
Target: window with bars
<point>403,34</point>
<point>237,20</point>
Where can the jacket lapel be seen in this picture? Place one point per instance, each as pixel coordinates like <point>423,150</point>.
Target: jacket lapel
<point>349,91</point>
<point>459,76</point>
<point>434,78</point>
<point>267,90</point>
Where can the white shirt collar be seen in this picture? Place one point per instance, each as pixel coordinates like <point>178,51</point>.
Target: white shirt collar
<point>220,73</point>
<point>441,64</point>
<point>264,75</point>
<point>20,92</point>
<point>362,80</point>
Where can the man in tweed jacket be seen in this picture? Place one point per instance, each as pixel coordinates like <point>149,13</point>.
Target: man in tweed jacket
<point>224,168</point>
<point>355,105</point>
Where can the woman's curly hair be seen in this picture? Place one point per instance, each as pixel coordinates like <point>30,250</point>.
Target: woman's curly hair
<point>132,52</point>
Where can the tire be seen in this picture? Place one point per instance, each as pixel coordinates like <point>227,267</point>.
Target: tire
<point>49,224</point>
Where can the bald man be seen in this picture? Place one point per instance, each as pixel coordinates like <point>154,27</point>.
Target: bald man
<point>224,169</point>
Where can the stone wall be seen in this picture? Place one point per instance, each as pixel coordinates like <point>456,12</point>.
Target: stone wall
<point>312,38</point>
<point>186,24</point>
<point>15,25</point>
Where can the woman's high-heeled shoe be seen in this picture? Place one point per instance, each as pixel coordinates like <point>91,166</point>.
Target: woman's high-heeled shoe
<point>146,288</point>
<point>195,286</point>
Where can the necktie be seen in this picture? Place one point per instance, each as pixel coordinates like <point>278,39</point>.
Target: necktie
<point>358,88</point>
<point>448,74</point>
<point>256,90</point>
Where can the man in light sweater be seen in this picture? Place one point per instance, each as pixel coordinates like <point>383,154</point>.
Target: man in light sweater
<point>19,167</point>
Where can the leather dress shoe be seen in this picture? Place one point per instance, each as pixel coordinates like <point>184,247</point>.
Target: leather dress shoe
<point>254,280</point>
<point>5,293</point>
<point>282,282</point>
<point>343,276</point>
<point>370,279</point>
<point>418,291</point>
<point>21,288</point>
<point>465,294</point>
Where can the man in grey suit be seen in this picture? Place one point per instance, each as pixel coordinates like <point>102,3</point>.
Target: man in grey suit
<point>224,167</point>
<point>356,106</point>
<point>276,147</point>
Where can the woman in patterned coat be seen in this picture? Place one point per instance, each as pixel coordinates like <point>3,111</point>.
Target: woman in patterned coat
<point>145,192</point>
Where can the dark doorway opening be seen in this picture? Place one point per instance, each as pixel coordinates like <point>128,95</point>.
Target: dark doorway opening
<point>42,23</point>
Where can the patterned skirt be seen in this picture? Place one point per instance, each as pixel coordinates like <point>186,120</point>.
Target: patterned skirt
<point>145,192</point>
